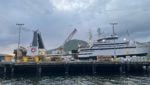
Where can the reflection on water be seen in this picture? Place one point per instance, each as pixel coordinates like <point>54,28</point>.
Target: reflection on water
<point>78,80</point>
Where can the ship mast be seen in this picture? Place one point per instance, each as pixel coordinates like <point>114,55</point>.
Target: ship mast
<point>90,38</point>
<point>99,32</point>
<point>113,27</point>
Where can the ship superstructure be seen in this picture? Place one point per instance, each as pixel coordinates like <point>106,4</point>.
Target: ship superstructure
<point>113,46</point>
<point>37,47</point>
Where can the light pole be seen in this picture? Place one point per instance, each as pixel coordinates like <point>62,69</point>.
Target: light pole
<point>20,27</point>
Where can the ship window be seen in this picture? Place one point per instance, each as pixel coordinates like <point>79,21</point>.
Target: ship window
<point>103,40</point>
<point>124,39</point>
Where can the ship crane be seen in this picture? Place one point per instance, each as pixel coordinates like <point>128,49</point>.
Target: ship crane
<point>70,36</point>
<point>61,48</point>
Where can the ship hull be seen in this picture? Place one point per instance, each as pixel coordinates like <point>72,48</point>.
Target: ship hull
<point>134,51</point>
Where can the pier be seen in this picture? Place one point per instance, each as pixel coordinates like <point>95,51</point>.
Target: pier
<point>73,68</point>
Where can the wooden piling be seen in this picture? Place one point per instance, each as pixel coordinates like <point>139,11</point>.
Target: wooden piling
<point>5,72</point>
<point>66,69</point>
<point>94,68</point>
<point>12,71</point>
<point>121,69</point>
<point>39,70</point>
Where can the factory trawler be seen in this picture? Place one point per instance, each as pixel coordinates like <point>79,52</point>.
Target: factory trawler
<point>114,47</point>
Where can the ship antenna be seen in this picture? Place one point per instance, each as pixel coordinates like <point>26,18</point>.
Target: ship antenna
<point>113,27</point>
<point>99,32</point>
<point>90,38</point>
<point>128,33</point>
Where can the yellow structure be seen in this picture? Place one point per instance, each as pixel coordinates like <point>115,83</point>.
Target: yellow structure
<point>36,59</point>
<point>25,59</point>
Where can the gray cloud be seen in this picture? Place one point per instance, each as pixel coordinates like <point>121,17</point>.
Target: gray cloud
<point>56,21</point>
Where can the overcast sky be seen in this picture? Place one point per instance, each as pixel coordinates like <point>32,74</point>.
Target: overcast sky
<point>57,18</point>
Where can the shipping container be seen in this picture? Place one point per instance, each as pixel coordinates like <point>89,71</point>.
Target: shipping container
<point>8,58</point>
<point>2,58</point>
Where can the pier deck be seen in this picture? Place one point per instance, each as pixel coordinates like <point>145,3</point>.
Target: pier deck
<point>73,67</point>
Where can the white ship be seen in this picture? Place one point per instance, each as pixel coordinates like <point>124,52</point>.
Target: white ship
<point>112,46</point>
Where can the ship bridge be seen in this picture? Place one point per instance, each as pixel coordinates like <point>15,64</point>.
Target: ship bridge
<point>108,38</point>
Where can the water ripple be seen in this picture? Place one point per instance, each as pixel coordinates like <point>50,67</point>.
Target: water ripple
<point>78,80</point>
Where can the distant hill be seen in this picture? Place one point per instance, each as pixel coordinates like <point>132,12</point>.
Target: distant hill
<point>72,45</point>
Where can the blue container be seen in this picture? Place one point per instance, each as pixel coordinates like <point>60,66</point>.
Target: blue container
<point>2,57</point>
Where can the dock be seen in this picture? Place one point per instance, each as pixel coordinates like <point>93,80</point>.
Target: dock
<point>72,68</point>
